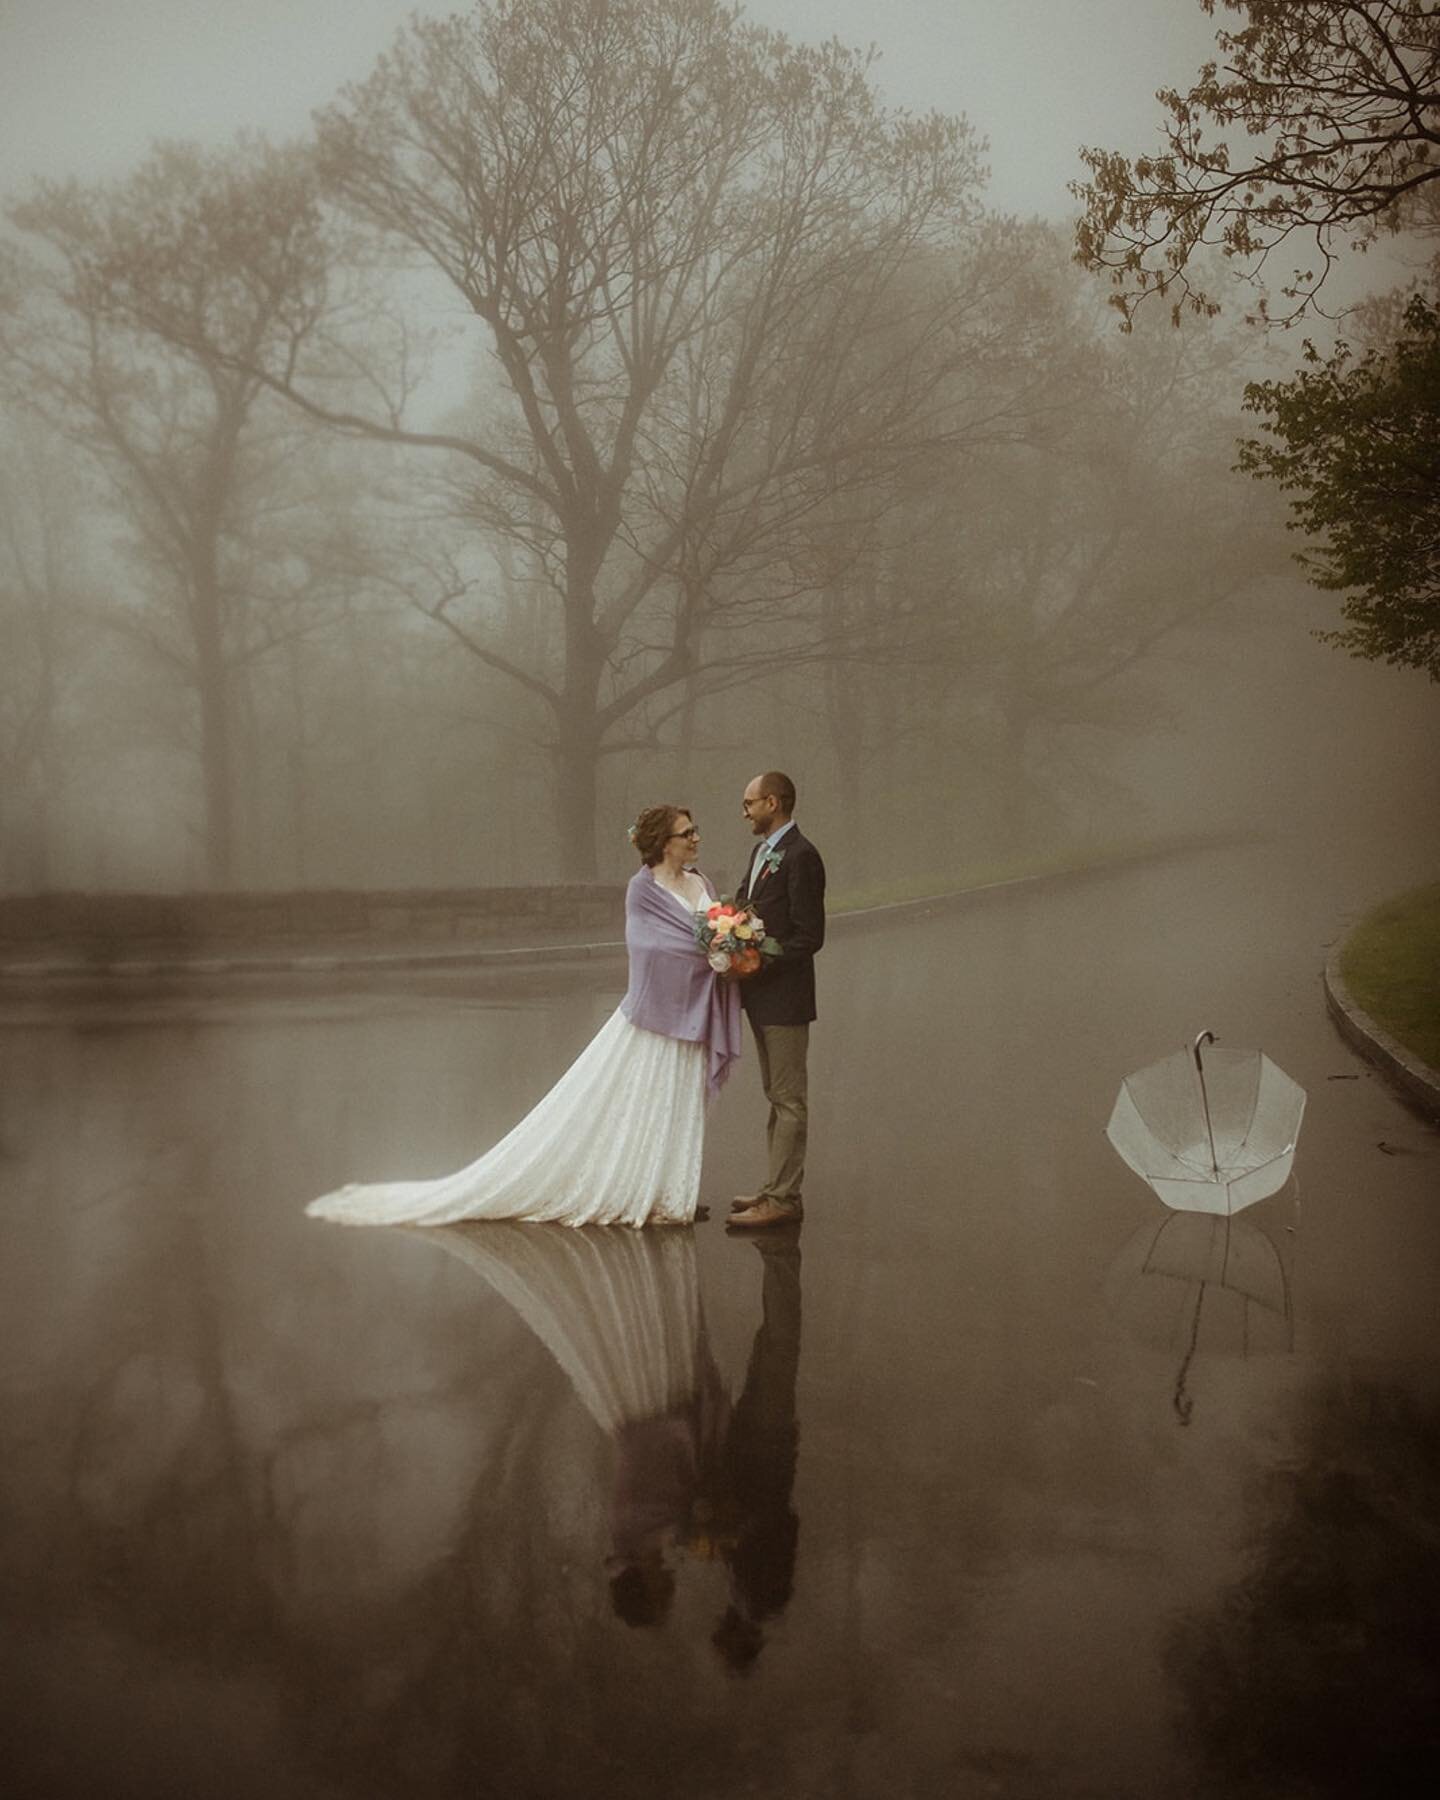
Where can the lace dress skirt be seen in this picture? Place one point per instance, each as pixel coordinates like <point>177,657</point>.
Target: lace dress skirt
<point>617,1141</point>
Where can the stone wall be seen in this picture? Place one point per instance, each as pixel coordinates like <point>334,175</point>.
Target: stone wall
<point>106,923</point>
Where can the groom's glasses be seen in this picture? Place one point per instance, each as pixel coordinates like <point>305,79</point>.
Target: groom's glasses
<point>693,832</point>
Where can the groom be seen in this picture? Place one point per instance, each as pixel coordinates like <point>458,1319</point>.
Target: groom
<point>786,886</point>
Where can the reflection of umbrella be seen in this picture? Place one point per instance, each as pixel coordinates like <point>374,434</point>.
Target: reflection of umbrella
<point>1211,1135</point>
<point>1192,1285</point>
<point>1218,1283</point>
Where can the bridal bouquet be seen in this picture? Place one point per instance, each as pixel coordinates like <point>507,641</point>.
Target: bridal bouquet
<point>733,939</point>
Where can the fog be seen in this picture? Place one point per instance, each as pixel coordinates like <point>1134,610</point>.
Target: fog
<point>291,578</point>
<point>85,90</point>
<point>424,444</point>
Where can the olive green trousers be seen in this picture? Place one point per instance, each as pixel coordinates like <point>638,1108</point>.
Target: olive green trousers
<point>782,1051</point>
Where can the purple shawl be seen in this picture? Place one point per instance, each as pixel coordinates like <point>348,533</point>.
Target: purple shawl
<point>673,990</point>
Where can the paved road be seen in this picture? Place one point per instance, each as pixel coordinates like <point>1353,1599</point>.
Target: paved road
<point>1001,1481</point>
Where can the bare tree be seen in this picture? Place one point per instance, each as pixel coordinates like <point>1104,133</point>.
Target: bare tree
<point>692,247</point>
<point>44,587</point>
<point>1015,606</point>
<point>200,463</point>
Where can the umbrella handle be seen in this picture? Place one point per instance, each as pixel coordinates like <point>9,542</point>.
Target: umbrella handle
<point>1206,1037</point>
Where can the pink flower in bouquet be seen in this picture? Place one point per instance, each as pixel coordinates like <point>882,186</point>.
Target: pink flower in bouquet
<point>733,939</point>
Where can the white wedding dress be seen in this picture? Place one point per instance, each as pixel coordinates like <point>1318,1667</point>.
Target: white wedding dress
<point>617,1141</point>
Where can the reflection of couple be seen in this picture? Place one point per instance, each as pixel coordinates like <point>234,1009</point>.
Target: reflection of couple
<point>694,1475</point>
<point>618,1139</point>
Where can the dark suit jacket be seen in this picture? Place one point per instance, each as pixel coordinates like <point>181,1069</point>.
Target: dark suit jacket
<point>791,901</point>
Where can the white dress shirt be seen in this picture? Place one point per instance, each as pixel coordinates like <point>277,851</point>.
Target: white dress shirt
<point>765,844</point>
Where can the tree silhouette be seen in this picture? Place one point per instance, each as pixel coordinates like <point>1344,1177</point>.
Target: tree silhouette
<point>1340,102</point>
<point>699,256</point>
<point>1358,444</point>
<point>131,331</point>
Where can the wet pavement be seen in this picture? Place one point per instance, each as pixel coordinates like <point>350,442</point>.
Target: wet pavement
<point>998,1479</point>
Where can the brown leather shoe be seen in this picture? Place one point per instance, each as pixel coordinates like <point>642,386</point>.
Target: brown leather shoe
<point>768,1212</point>
<point>743,1202</point>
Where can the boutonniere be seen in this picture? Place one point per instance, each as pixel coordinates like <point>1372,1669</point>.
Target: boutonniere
<point>769,862</point>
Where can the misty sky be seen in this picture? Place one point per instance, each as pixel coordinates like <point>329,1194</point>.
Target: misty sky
<point>86,84</point>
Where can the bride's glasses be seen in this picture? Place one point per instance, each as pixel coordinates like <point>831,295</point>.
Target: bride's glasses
<point>693,832</point>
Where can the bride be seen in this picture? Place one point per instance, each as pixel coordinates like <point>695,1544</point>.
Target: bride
<point>618,1139</point>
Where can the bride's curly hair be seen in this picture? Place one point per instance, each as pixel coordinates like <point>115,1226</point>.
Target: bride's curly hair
<point>651,831</point>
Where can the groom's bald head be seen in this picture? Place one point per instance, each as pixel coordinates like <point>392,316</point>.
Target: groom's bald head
<point>779,788</point>
<point>769,801</point>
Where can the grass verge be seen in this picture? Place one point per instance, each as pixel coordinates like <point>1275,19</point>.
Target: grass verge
<point>1391,965</point>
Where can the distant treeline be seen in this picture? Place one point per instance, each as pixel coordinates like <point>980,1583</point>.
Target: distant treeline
<point>776,449</point>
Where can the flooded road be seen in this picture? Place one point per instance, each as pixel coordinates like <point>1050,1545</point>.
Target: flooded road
<point>998,1480</point>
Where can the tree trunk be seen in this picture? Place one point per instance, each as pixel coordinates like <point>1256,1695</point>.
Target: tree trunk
<point>253,831</point>
<point>687,740</point>
<point>215,766</point>
<point>215,744</point>
<point>44,736</point>
<point>297,773</point>
<point>366,761</point>
<point>40,825</point>
<point>577,743</point>
<point>576,764</point>
<point>845,716</point>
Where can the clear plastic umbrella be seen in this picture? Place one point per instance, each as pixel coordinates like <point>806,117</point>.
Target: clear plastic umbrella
<point>1211,1133</point>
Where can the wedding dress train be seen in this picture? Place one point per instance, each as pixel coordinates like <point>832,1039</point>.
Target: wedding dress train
<point>617,1141</point>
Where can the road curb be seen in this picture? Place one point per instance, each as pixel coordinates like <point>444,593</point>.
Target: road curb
<point>1419,1083</point>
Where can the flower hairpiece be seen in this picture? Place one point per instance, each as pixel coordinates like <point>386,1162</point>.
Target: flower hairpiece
<point>631,833</point>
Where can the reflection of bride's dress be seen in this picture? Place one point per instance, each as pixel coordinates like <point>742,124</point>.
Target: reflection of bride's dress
<point>617,1141</point>
<point>619,1311</point>
<point>621,1314</point>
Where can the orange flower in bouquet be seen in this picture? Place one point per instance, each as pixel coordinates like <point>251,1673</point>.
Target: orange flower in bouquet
<point>733,939</point>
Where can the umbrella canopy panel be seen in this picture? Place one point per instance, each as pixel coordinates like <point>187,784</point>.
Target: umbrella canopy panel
<point>1216,1157</point>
